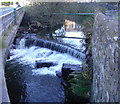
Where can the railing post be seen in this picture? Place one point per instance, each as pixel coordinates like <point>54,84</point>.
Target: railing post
<point>15,16</point>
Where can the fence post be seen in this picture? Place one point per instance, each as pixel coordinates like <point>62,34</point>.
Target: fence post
<point>15,16</point>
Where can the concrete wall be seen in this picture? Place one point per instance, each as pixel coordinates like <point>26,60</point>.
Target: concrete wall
<point>8,18</point>
<point>105,50</point>
<point>9,37</point>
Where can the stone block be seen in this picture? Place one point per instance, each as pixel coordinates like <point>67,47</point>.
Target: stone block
<point>40,64</point>
<point>68,68</point>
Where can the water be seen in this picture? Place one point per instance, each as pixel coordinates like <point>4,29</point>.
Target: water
<point>55,46</point>
<point>74,43</point>
<point>28,56</point>
<point>31,84</point>
<point>23,86</point>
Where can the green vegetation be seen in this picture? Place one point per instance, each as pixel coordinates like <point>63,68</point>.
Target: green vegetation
<point>6,3</point>
<point>79,88</point>
<point>43,12</point>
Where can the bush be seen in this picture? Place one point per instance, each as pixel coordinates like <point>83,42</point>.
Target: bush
<point>79,88</point>
<point>6,3</point>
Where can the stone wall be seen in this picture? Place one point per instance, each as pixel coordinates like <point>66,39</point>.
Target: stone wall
<point>105,50</point>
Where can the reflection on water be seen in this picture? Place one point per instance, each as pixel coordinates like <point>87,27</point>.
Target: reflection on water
<point>25,87</point>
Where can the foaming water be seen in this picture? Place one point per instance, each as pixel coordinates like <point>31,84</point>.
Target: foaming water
<point>32,84</point>
<point>75,43</point>
<point>29,56</point>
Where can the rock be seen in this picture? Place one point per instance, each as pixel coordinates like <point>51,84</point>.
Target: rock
<point>64,83</point>
<point>58,74</point>
<point>68,68</point>
<point>21,29</point>
<point>40,64</point>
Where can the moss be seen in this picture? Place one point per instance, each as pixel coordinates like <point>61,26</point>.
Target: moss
<point>79,86</point>
<point>72,81</point>
<point>78,90</point>
<point>70,76</point>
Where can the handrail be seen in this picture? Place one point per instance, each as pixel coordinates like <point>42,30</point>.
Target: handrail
<point>71,37</point>
<point>72,14</point>
<point>6,14</point>
<point>9,18</point>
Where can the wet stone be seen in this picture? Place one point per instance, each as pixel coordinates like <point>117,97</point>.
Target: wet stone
<point>40,64</point>
<point>58,74</point>
<point>69,68</point>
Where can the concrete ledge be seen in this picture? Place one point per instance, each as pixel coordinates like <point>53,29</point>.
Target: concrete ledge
<point>9,37</point>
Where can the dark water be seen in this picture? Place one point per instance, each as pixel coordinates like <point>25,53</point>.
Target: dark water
<point>25,87</point>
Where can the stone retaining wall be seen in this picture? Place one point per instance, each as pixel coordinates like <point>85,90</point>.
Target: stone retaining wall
<point>105,50</point>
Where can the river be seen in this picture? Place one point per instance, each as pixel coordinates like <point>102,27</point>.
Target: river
<point>26,82</point>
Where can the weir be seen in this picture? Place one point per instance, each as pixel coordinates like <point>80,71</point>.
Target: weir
<point>54,46</point>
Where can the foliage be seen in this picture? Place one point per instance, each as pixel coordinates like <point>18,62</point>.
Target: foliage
<point>87,64</point>
<point>43,12</point>
<point>87,71</point>
<point>6,3</point>
<point>79,85</point>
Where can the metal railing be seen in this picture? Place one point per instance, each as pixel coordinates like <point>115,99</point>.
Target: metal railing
<point>73,14</point>
<point>9,18</point>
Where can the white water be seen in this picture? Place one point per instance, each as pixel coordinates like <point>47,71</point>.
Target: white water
<point>30,55</point>
<point>76,43</point>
